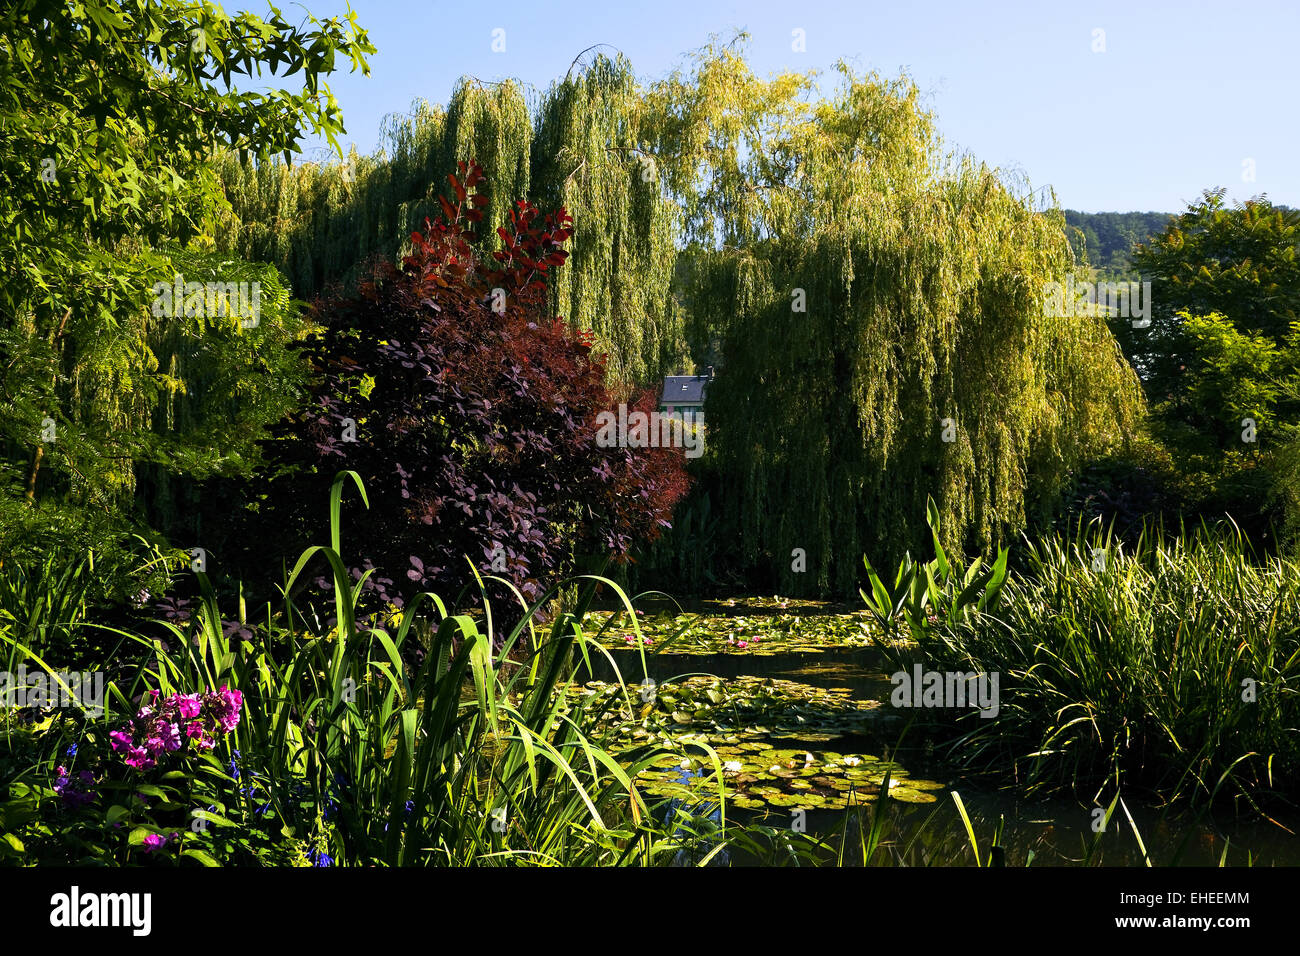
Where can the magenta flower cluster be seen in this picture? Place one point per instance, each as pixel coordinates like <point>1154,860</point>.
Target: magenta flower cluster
<point>159,729</point>
<point>155,841</point>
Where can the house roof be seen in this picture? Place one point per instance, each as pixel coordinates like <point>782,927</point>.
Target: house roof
<point>684,388</point>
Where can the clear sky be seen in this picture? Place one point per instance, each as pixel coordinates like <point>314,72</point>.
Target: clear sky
<point>1185,96</point>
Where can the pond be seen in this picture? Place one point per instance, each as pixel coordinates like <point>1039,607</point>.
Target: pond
<point>794,698</point>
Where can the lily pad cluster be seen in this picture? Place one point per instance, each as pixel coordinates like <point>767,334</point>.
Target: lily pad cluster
<point>762,635</point>
<point>746,705</point>
<point>757,775</point>
<point>746,720</point>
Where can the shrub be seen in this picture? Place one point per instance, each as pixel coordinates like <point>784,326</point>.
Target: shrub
<point>470,413</point>
<point>1171,664</point>
<point>1125,491</point>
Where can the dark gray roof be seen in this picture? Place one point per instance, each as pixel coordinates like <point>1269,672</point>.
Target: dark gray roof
<point>684,388</point>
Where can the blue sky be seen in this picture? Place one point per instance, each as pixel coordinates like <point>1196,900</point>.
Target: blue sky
<point>1186,95</point>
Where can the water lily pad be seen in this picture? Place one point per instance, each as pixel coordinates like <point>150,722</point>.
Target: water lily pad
<point>908,795</point>
<point>788,631</point>
<point>765,732</point>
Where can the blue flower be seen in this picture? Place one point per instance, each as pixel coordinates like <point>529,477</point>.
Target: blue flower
<point>712,812</point>
<point>320,858</point>
<point>72,750</point>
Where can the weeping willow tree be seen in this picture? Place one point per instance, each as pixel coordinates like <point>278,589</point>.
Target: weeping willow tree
<point>172,391</point>
<point>583,149</point>
<point>882,325</point>
<point>589,156</point>
<point>323,223</point>
<point>875,301</point>
<point>223,372</point>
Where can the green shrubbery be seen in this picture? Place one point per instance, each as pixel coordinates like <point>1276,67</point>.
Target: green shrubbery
<point>1172,664</point>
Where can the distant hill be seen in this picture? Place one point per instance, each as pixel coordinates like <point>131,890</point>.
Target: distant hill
<point>1106,238</point>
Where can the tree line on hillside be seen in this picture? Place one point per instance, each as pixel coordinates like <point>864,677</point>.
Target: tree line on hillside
<point>1105,240</point>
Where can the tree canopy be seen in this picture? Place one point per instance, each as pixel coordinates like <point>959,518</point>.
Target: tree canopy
<point>882,325</point>
<point>873,302</point>
<point>109,115</point>
<point>469,412</point>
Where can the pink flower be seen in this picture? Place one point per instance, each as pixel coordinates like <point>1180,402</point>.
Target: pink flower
<point>166,737</point>
<point>156,730</point>
<point>227,708</point>
<point>139,758</point>
<point>153,841</point>
<point>742,643</point>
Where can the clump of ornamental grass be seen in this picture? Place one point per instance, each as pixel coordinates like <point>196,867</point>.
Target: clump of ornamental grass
<point>1173,666</point>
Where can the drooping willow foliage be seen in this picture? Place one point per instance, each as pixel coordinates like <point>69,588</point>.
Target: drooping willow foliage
<point>590,157</point>
<point>919,280</point>
<point>221,380</point>
<point>324,223</point>
<point>160,398</point>
<point>875,302</point>
<point>582,149</point>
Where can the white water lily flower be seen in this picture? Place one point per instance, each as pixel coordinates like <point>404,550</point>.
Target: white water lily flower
<point>733,766</point>
<point>852,761</point>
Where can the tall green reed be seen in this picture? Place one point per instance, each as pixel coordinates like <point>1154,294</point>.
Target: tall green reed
<point>1173,665</point>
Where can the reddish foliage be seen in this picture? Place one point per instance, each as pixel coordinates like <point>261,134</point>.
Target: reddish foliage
<point>480,431</point>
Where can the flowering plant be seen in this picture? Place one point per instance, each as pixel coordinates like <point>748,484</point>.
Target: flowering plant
<point>157,728</point>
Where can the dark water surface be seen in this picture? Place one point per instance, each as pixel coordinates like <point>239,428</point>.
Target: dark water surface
<point>1044,832</point>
